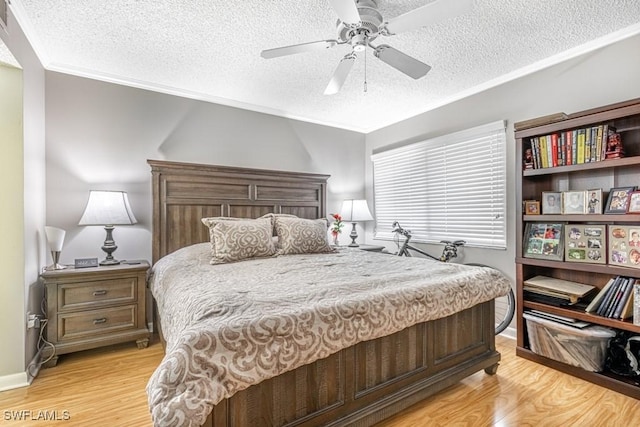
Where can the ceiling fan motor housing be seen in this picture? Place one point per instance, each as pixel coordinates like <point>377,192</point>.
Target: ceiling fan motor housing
<point>370,22</point>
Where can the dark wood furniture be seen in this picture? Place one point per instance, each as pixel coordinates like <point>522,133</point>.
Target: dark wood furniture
<point>359,385</point>
<point>94,307</point>
<point>605,174</point>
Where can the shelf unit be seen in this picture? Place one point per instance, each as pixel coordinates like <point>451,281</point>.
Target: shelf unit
<point>605,174</point>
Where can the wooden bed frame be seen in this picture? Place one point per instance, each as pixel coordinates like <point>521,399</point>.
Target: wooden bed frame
<point>360,385</point>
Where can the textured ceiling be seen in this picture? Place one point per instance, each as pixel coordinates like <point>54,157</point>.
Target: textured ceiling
<point>210,49</point>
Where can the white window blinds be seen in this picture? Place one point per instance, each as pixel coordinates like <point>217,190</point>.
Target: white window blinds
<point>447,188</point>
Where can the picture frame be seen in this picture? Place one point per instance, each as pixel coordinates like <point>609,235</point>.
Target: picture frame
<point>594,201</point>
<point>544,241</point>
<point>551,202</point>
<point>634,203</point>
<point>618,200</point>
<point>624,245</point>
<point>573,202</point>
<point>531,207</point>
<point>586,243</point>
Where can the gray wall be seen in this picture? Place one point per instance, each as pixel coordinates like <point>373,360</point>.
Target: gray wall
<point>602,77</point>
<point>99,136</point>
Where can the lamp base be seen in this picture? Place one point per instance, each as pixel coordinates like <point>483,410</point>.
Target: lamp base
<point>109,247</point>
<point>55,256</point>
<point>354,236</point>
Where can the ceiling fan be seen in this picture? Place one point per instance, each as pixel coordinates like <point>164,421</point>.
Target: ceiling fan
<point>360,23</point>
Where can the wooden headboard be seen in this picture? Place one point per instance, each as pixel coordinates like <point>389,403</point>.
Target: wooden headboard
<point>183,193</point>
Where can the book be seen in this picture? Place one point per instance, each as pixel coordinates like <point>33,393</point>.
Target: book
<point>569,147</point>
<point>554,149</point>
<point>606,302</point>
<point>543,151</point>
<point>581,140</point>
<point>587,145</point>
<point>599,155</point>
<point>560,319</point>
<point>627,310</point>
<point>574,149</point>
<point>615,301</point>
<point>636,304</point>
<point>595,302</point>
<point>558,288</point>
<point>628,288</point>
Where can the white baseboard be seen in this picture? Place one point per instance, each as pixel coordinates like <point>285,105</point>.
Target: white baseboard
<point>9,382</point>
<point>510,332</point>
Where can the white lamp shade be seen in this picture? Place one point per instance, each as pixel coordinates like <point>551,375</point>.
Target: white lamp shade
<point>55,238</point>
<point>355,210</point>
<point>108,208</point>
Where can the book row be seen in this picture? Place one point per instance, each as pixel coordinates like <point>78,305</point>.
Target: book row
<point>587,243</point>
<point>573,147</point>
<point>618,299</point>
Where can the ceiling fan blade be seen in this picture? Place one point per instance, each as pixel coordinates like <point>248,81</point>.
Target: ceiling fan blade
<point>298,48</point>
<point>346,10</point>
<point>431,13</point>
<point>340,75</point>
<point>401,61</point>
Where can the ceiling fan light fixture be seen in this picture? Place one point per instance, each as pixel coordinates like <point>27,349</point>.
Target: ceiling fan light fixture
<point>359,41</point>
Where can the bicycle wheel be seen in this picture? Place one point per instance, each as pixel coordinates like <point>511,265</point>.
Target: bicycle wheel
<point>505,307</point>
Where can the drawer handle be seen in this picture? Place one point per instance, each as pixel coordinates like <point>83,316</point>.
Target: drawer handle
<point>99,293</point>
<point>98,321</point>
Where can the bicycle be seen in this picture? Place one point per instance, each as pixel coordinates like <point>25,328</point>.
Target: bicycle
<point>505,306</point>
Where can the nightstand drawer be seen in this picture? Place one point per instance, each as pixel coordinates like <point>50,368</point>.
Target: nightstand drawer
<point>74,296</point>
<point>89,323</point>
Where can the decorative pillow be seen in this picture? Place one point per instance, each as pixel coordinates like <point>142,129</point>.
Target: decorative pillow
<point>212,222</point>
<point>242,239</point>
<point>273,217</point>
<point>301,236</point>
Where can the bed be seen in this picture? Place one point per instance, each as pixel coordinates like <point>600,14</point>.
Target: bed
<point>375,340</point>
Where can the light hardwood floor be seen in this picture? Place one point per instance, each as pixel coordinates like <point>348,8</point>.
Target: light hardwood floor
<point>106,387</point>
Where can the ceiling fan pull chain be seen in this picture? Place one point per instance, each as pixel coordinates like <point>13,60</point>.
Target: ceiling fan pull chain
<point>365,72</point>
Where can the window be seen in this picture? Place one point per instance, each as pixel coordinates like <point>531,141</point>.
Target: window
<point>447,188</point>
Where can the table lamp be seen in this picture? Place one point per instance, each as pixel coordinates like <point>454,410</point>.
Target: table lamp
<point>108,208</point>
<point>55,239</point>
<point>355,211</point>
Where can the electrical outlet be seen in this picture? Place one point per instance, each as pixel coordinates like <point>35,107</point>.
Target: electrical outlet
<point>33,321</point>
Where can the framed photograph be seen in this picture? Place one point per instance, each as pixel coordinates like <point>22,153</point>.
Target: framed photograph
<point>618,201</point>
<point>594,201</point>
<point>544,241</point>
<point>634,202</point>
<point>573,202</point>
<point>531,207</point>
<point>586,243</point>
<point>551,202</point>
<point>624,245</point>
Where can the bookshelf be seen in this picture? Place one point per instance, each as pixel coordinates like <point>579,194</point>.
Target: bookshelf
<point>604,174</point>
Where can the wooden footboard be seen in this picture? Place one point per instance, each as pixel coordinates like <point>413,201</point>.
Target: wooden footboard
<point>372,380</point>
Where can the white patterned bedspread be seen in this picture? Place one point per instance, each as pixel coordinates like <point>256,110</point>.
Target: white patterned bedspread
<point>230,326</point>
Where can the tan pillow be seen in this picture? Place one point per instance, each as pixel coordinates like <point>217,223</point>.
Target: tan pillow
<point>242,239</point>
<point>301,236</point>
<point>212,222</point>
<point>273,218</point>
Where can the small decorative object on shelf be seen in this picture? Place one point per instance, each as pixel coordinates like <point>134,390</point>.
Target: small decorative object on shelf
<point>336,228</point>
<point>586,243</point>
<point>573,202</point>
<point>618,201</point>
<point>544,241</point>
<point>527,162</point>
<point>532,207</point>
<point>614,145</point>
<point>551,202</point>
<point>594,201</point>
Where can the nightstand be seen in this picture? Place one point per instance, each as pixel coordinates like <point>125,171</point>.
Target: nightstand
<point>371,248</point>
<point>94,307</point>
